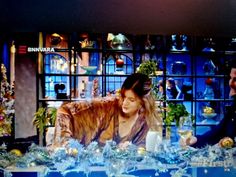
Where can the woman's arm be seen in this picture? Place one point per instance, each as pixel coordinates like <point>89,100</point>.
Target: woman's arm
<point>83,120</point>
<point>63,126</point>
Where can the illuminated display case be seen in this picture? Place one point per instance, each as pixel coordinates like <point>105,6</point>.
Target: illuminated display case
<point>84,66</point>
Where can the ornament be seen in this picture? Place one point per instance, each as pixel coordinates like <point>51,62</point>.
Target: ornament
<point>72,152</point>
<point>141,151</point>
<point>208,110</point>
<point>16,152</point>
<point>209,81</point>
<point>119,63</point>
<point>227,142</point>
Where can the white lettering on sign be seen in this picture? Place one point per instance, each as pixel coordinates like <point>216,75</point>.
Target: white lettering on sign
<point>40,49</point>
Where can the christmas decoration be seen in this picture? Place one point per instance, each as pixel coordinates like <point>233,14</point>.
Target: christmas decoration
<point>115,161</point>
<point>7,109</point>
<point>227,142</point>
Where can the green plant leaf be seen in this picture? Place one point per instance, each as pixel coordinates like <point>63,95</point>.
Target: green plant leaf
<point>40,119</point>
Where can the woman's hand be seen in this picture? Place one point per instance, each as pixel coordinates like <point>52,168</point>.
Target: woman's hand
<point>188,141</point>
<point>124,145</point>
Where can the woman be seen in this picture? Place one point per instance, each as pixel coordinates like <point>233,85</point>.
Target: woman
<point>126,118</point>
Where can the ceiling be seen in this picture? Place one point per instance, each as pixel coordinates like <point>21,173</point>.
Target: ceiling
<point>191,17</point>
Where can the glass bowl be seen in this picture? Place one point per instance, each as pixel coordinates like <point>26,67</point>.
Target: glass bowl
<point>88,69</point>
<point>209,116</point>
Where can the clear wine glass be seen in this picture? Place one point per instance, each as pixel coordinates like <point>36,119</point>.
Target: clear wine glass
<point>185,129</point>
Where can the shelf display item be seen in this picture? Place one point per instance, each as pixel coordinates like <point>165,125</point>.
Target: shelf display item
<point>179,68</point>
<point>209,93</point>
<point>187,90</point>
<point>119,65</point>
<point>209,116</point>
<point>60,91</point>
<point>118,41</point>
<point>86,43</point>
<point>208,112</point>
<point>209,67</point>
<point>209,44</point>
<point>95,92</point>
<point>172,89</point>
<point>148,44</point>
<point>89,69</point>
<point>89,89</point>
<point>179,42</point>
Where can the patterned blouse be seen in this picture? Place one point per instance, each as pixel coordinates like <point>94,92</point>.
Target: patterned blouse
<point>96,120</point>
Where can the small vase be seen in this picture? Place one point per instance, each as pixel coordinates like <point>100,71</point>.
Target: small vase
<point>209,93</point>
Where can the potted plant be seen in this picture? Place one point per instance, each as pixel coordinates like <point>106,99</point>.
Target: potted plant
<point>44,118</point>
<point>148,67</point>
<point>173,113</point>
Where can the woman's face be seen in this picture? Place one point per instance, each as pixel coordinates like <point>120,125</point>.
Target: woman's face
<point>232,82</point>
<point>131,103</point>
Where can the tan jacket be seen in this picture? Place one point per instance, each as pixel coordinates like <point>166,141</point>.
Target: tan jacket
<point>96,120</point>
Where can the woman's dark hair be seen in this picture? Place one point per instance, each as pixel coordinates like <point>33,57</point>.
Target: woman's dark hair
<point>139,83</point>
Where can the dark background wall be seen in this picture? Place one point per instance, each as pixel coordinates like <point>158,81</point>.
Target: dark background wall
<point>191,17</point>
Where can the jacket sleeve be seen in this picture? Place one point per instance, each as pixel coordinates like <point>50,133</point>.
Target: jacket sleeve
<point>211,137</point>
<point>63,127</point>
<point>83,120</point>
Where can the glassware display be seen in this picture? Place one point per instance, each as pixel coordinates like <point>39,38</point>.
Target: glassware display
<point>89,69</point>
<point>111,57</point>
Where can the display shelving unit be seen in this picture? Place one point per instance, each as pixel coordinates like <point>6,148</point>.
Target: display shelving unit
<point>194,63</point>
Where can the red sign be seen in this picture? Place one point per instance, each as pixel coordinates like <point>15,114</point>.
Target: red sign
<point>22,49</point>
